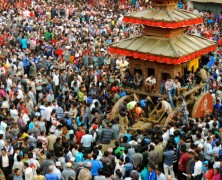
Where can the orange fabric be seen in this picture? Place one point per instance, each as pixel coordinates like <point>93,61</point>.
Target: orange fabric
<point>6,68</point>
<point>137,110</point>
<point>72,58</point>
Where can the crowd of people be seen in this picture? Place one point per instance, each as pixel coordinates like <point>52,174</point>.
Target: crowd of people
<point>58,84</point>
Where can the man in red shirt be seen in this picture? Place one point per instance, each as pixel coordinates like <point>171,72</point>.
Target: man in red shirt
<point>2,91</point>
<point>182,163</point>
<point>1,41</point>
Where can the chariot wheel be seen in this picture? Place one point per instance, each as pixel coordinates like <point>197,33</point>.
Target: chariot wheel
<point>115,110</point>
<point>203,106</point>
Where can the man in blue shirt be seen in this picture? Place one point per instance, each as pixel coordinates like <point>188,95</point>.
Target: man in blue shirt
<point>211,62</point>
<point>26,64</point>
<point>144,105</point>
<point>36,60</point>
<point>128,166</point>
<point>109,40</point>
<point>51,175</point>
<point>96,165</point>
<point>48,49</point>
<point>17,175</point>
<point>151,174</point>
<point>79,155</point>
<point>122,93</point>
<point>217,106</point>
<point>180,5</point>
<point>128,135</point>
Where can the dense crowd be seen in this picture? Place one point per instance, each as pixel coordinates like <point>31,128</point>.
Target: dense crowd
<point>59,83</point>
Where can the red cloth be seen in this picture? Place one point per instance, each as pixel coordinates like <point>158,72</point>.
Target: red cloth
<point>220,42</point>
<point>114,89</point>
<point>25,109</point>
<point>183,161</point>
<point>220,51</point>
<point>123,1</point>
<point>59,52</point>
<point>32,14</point>
<point>4,36</point>
<point>2,93</point>
<point>1,41</point>
<point>79,135</point>
<point>54,41</point>
<point>209,175</point>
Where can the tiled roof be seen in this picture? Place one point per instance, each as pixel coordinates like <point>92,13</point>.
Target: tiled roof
<point>171,47</point>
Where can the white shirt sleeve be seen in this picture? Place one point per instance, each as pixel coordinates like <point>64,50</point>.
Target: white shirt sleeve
<point>197,168</point>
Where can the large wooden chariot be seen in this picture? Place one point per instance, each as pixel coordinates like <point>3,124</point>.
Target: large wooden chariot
<point>164,49</point>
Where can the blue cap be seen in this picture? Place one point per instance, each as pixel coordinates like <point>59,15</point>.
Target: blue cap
<point>147,140</point>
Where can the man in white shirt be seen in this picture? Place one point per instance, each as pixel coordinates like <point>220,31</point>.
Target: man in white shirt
<point>195,11</point>
<point>4,160</point>
<point>219,79</point>
<point>123,64</point>
<point>166,135</point>
<point>20,91</point>
<point>207,148</point>
<point>197,175</point>
<point>150,83</point>
<point>42,109</point>
<point>39,84</point>
<point>215,151</point>
<point>56,81</point>
<point>48,111</point>
<point>3,125</point>
<point>50,96</point>
<point>25,117</point>
<point>86,141</point>
<point>31,95</point>
<point>160,175</point>
<point>28,171</point>
<point>57,168</point>
<point>34,164</point>
<point>177,87</point>
<point>2,141</point>
<point>14,113</point>
<point>199,139</point>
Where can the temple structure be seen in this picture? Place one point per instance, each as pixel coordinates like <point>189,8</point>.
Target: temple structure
<point>164,48</point>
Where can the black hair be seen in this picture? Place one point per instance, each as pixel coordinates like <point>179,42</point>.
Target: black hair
<point>94,156</point>
<point>127,173</point>
<point>100,171</point>
<point>16,169</point>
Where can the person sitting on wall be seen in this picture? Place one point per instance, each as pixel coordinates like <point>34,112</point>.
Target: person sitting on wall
<point>137,80</point>
<point>127,79</point>
<point>177,87</point>
<point>150,83</point>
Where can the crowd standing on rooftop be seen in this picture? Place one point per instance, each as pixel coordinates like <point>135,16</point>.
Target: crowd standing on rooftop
<point>58,84</point>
